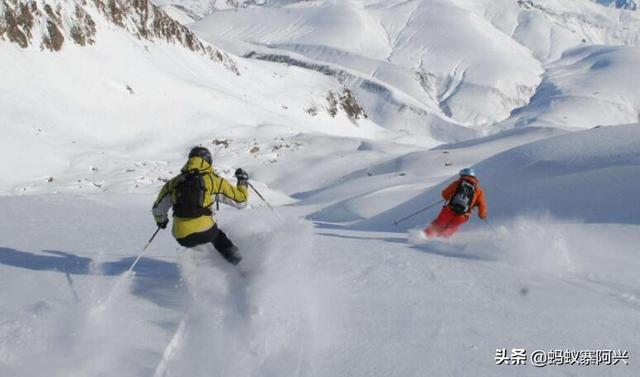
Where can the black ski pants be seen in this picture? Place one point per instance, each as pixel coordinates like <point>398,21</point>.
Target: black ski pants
<point>219,240</point>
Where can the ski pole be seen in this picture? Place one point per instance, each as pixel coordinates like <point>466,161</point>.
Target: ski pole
<point>128,273</point>
<point>213,159</point>
<point>151,239</point>
<point>266,202</point>
<point>491,226</point>
<point>418,212</point>
<point>135,262</point>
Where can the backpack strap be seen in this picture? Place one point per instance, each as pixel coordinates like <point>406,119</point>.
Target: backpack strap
<point>475,185</point>
<point>215,192</point>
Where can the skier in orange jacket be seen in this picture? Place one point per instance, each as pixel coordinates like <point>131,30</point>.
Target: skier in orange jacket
<point>461,196</point>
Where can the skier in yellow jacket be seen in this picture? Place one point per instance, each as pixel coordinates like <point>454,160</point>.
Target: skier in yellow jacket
<point>191,195</point>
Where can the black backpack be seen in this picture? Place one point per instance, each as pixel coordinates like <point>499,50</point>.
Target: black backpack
<point>189,199</point>
<point>461,200</point>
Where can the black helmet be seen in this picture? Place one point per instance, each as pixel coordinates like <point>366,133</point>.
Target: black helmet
<point>201,152</point>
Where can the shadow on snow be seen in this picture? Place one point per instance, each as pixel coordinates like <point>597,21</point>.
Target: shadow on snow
<point>435,246</point>
<point>154,280</point>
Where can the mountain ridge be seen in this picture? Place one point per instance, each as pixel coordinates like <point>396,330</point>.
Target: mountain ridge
<point>49,24</point>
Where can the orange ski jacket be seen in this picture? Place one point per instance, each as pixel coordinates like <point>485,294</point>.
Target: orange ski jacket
<point>478,197</point>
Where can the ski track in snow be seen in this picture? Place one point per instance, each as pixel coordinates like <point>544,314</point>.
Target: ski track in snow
<point>308,301</point>
<point>313,299</point>
<point>245,320</point>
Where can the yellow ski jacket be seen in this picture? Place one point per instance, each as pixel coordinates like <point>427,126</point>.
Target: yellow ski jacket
<point>216,187</point>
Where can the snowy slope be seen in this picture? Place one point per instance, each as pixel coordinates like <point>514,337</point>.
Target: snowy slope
<point>468,62</point>
<point>623,4</point>
<point>89,111</point>
<point>198,9</point>
<point>367,193</point>
<point>587,87</point>
<point>582,176</point>
<point>331,299</point>
<point>389,42</point>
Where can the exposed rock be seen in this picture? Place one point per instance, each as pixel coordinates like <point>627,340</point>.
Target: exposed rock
<point>114,13</point>
<point>26,15</point>
<point>347,102</point>
<point>332,99</point>
<point>55,37</point>
<point>18,22</point>
<point>83,31</point>
<point>139,17</point>
<point>340,75</point>
<point>346,99</point>
<point>313,110</point>
<point>223,142</point>
<point>51,14</point>
<point>350,106</point>
<point>14,33</point>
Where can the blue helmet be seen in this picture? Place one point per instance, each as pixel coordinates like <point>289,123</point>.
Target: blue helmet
<point>468,172</point>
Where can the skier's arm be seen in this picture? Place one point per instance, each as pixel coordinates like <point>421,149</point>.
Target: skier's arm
<point>482,205</point>
<point>162,204</point>
<point>229,194</point>
<point>447,193</point>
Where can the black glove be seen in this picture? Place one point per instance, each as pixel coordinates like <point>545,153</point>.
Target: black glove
<point>242,176</point>
<point>163,224</point>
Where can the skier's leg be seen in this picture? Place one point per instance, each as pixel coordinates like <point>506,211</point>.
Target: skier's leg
<point>433,230</point>
<point>439,224</point>
<point>199,238</point>
<point>226,248</point>
<point>454,224</point>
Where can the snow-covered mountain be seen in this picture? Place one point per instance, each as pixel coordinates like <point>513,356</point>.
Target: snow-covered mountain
<point>588,87</point>
<point>348,116</point>
<point>49,24</point>
<point>136,80</point>
<point>195,10</point>
<point>469,63</point>
<point>622,4</point>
